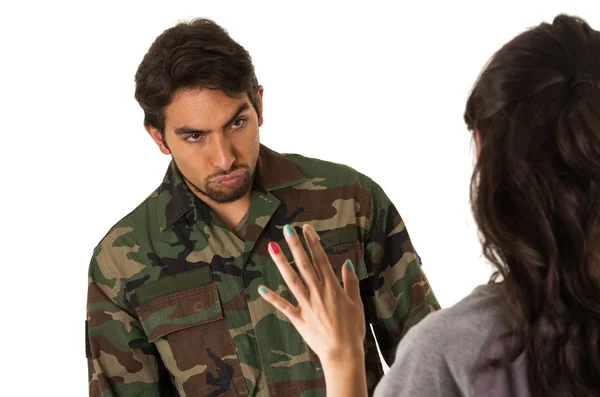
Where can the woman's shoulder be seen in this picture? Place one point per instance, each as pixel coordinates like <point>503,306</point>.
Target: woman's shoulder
<point>446,344</point>
<point>471,318</point>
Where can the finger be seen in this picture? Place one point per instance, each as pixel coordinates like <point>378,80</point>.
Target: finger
<point>291,278</point>
<point>290,311</point>
<point>320,260</point>
<point>305,267</point>
<point>351,285</point>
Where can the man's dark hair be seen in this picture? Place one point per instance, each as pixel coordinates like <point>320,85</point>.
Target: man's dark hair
<point>195,54</point>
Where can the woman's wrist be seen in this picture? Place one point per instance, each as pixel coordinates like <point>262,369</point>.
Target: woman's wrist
<point>345,374</point>
<point>343,357</point>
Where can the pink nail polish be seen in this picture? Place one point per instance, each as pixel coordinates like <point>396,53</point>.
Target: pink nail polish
<point>273,248</point>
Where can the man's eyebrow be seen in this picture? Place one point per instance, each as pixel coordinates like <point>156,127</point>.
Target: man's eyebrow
<point>189,130</point>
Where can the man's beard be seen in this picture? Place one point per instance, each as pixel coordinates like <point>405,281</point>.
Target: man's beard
<point>228,196</point>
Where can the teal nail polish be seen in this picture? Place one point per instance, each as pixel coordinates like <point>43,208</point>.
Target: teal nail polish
<point>289,232</point>
<point>262,290</point>
<point>350,265</point>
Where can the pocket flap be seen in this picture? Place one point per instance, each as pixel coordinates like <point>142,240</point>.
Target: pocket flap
<point>337,255</point>
<point>180,310</point>
<point>340,236</point>
<point>340,253</point>
<point>169,285</point>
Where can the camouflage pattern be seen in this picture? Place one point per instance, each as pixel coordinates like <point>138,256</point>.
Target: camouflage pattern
<point>173,307</point>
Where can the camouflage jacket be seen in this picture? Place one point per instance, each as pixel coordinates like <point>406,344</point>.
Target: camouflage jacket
<point>173,307</point>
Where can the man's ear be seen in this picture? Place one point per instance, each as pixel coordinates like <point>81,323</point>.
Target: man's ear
<point>158,138</point>
<point>259,96</point>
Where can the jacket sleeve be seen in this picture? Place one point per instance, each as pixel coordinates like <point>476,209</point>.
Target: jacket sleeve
<point>397,294</point>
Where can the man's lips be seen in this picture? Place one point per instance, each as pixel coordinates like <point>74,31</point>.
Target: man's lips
<point>230,179</point>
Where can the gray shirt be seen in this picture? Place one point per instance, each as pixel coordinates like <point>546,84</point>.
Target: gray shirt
<point>241,228</point>
<point>446,354</point>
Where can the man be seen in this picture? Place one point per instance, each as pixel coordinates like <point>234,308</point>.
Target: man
<point>173,306</point>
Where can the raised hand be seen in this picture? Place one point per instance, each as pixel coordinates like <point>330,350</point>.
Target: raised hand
<point>328,316</point>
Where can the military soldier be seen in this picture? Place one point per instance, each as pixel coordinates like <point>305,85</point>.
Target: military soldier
<point>173,304</point>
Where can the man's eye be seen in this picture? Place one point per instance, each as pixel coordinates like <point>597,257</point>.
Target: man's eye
<point>239,123</point>
<point>193,137</point>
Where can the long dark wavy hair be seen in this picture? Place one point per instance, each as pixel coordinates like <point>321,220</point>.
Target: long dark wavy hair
<point>535,195</point>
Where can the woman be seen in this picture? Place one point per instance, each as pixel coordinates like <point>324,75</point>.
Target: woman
<point>534,330</point>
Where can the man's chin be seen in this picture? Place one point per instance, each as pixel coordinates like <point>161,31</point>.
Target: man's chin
<point>225,195</point>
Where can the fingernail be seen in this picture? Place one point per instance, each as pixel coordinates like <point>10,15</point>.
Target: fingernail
<point>350,265</point>
<point>273,248</point>
<point>262,290</point>
<point>311,234</point>
<point>289,232</point>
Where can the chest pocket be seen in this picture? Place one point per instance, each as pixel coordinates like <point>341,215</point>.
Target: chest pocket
<point>339,245</point>
<point>182,316</point>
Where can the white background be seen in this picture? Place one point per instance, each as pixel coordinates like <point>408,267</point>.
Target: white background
<point>376,85</point>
